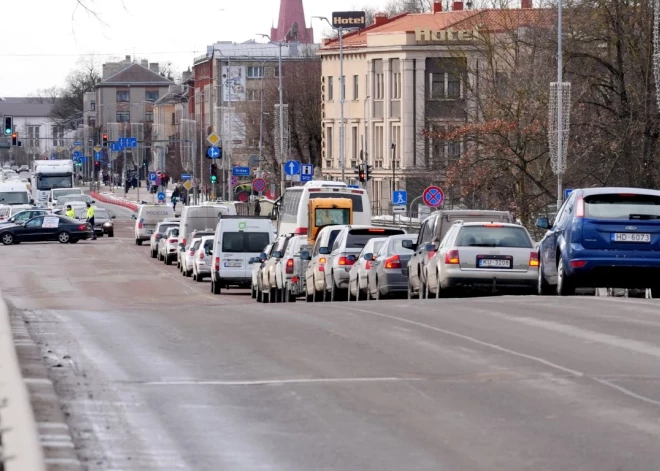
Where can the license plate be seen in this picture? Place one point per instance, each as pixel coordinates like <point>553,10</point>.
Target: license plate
<point>232,264</point>
<point>631,237</point>
<point>150,231</point>
<point>493,263</point>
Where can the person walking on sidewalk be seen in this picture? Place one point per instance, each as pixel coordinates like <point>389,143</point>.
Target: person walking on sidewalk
<point>175,197</point>
<point>257,208</point>
<point>90,219</point>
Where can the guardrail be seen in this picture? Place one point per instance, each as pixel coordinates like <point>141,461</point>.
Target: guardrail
<point>20,449</point>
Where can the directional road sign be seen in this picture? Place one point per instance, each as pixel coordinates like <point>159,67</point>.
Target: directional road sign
<point>306,172</point>
<point>213,138</point>
<point>98,156</point>
<point>115,147</point>
<point>240,171</point>
<point>214,152</point>
<point>259,184</point>
<point>97,148</point>
<point>292,167</point>
<point>399,209</point>
<point>186,176</point>
<point>74,158</point>
<point>77,154</point>
<point>567,193</point>
<point>128,141</point>
<point>399,197</point>
<point>433,196</point>
<point>152,177</point>
<point>161,196</point>
<point>77,143</point>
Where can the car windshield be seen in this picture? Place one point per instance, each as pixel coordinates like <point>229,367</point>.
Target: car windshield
<point>332,217</point>
<point>101,214</point>
<point>495,235</point>
<point>164,227</point>
<point>86,198</point>
<point>196,244</point>
<point>622,206</point>
<point>244,241</point>
<point>15,197</point>
<point>49,182</point>
<point>358,238</point>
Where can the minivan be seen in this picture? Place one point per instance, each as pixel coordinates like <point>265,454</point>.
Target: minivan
<point>149,215</point>
<point>237,240</point>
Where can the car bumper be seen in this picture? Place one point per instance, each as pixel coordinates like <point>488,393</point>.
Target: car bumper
<point>393,282</point>
<point>203,269</point>
<point>234,280</point>
<point>620,271</point>
<point>341,277</point>
<point>490,279</point>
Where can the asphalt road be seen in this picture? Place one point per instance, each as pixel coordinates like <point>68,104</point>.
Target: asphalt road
<point>154,372</point>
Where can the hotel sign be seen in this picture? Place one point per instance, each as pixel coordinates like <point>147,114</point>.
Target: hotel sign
<point>445,35</point>
<point>349,19</point>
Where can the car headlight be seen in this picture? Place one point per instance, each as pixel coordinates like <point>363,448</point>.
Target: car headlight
<point>107,224</point>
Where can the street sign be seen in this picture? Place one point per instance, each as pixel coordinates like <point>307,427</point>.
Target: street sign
<point>161,196</point>
<point>241,171</point>
<point>213,138</point>
<point>213,152</point>
<point>187,185</point>
<point>77,143</point>
<point>258,184</point>
<point>234,180</point>
<point>98,156</point>
<point>433,196</point>
<point>82,160</point>
<point>97,148</point>
<point>567,193</point>
<point>152,177</point>
<point>399,197</point>
<point>74,158</point>
<point>128,141</point>
<point>77,154</point>
<point>306,172</point>
<point>292,167</point>
<point>186,176</point>
<point>353,186</point>
<point>399,209</point>
<point>115,147</point>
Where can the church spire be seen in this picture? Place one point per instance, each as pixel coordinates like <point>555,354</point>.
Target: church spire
<point>292,12</point>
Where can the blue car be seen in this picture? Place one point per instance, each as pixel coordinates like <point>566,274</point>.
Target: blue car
<point>602,237</point>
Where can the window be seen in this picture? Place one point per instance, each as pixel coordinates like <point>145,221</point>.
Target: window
<point>92,106</point>
<point>622,206</point>
<point>446,86</point>
<point>328,143</point>
<point>354,145</point>
<point>36,222</point>
<point>33,136</point>
<point>241,242</point>
<point>331,91</point>
<point>123,96</point>
<point>437,86</point>
<point>453,86</point>
<point>396,85</point>
<point>255,72</point>
<point>378,146</point>
<point>277,71</point>
<point>483,236</point>
<point>356,87</point>
<point>123,117</point>
<point>253,95</point>
<point>58,136</point>
<point>150,96</point>
<point>149,116</point>
<point>396,140</point>
<point>173,119</point>
<point>441,150</point>
<point>380,87</point>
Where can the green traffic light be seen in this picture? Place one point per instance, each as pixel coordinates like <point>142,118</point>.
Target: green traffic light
<point>213,178</point>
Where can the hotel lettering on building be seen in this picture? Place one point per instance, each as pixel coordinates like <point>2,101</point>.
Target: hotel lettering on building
<point>403,75</point>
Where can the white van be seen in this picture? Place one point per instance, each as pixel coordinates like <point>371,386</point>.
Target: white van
<point>237,239</point>
<point>149,215</point>
<point>16,195</point>
<point>200,217</point>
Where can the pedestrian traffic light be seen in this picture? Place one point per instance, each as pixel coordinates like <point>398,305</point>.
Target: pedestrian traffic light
<point>14,139</point>
<point>9,125</point>
<point>104,139</point>
<point>214,173</point>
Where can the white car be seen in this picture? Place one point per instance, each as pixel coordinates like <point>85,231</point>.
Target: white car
<point>268,275</point>
<point>187,251</point>
<point>256,264</point>
<point>203,258</point>
<point>168,245</point>
<point>357,277</point>
<point>290,269</point>
<point>158,233</point>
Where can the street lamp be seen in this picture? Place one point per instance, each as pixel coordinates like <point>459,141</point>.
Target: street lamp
<point>342,161</point>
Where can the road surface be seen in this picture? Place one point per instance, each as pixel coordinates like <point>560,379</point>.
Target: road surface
<point>154,372</point>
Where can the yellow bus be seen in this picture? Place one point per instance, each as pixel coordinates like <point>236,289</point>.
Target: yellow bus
<point>327,212</point>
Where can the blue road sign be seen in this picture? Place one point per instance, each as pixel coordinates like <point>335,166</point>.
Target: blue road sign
<point>240,171</point>
<point>186,176</point>
<point>98,156</point>
<point>77,154</point>
<point>77,143</point>
<point>161,196</point>
<point>115,147</point>
<point>152,177</point>
<point>74,158</point>
<point>292,167</point>
<point>83,160</point>
<point>306,172</point>
<point>53,157</point>
<point>214,152</point>
<point>132,141</point>
<point>353,186</point>
<point>399,197</point>
<point>567,193</point>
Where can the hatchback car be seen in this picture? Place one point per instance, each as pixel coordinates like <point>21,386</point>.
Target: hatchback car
<point>602,237</point>
<point>168,245</point>
<point>483,256</point>
<point>290,270</point>
<point>388,273</point>
<point>188,251</point>
<point>157,234</point>
<point>203,259</point>
<point>357,277</point>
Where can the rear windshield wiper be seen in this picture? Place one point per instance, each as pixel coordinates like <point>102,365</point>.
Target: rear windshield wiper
<point>643,216</point>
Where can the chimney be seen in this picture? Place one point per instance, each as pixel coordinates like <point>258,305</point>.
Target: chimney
<point>127,59</point>
<point>380,18</point>
<point>458,6</point>
<point>437,7</point>
<point>154,67</point>
<point>526,4</point>
<point>144,63</point>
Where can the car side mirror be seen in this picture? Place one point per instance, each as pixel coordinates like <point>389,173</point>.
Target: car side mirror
<point>32,202</point>
<point>543,223</point>
<point>276,254</point>
<point>113,217</point>
<point>133,216</point>
<point>324,250</point>
<point>50,200</point>
<point>409,244</point>
<point>93,202</point>
<point>368,256</point>
<point>251,261</point>
<point>305,255</point>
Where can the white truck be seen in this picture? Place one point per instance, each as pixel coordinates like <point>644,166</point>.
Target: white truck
<point>15,195</point>
<point>48,175</point>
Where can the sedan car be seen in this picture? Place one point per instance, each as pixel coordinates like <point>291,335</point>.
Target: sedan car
<point>168,245</point>
<point>188,251</point>
<point>103,222</point>
<point>483,256</point>
<point>46,228</point>
<point>357,277</point>
<point>203,259</point>
<point>389,269</point>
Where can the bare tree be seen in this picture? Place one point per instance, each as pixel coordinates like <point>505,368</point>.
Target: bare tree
<point>81,80</point>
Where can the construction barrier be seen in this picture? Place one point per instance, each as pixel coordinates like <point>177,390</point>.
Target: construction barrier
<point>111,199</point>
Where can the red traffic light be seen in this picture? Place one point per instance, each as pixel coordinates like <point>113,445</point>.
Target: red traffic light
<point>104,139</point>
<point>14,139</point>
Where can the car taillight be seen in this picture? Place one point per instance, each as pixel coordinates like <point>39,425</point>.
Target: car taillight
<point>579,209</point>
<point>322,261</point>
<point>451,257</point>
<point>140,225</point>
<point>300,231</point>
<point>172,241</point>
<point>216,265</point>
<point>578,263</point>
<point>289,266</point>
<point>346,261</point>
<point>159,236</point>
<point>493,224</point>
<point>393,262</point>
<point>192,252</point>
<point>82,227</point>
<point>294,279</point>
<point>367,265</point>
<point>183,242</point>
<point>533,259</point>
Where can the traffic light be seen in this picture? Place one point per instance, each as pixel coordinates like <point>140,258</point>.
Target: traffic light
<point>214,173</point>
<point>367,169</point>
<point>104,139</point>
<point>361,175</point>
<point>9,125</point>
<point>14,139</point>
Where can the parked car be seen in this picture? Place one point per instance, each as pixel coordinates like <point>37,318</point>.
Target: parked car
<point>433,230</point>
<point>203,258</point>
<point>256,263</point>
<point>290,269</point>
<point>314,275</point>
<point>357,277</point>
<point>349,243</point>
<point>389,269</point>
<point>157,234</point>
<point>186,258</point>
<point>268,271</point>
<point>602,237</point>
<point>168,245</point>
<point>46,228</point>
<point>482,256</point>
<point>148,217</point>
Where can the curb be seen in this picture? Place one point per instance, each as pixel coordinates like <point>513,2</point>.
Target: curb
<point>21,448</point>
<point>114,200</point>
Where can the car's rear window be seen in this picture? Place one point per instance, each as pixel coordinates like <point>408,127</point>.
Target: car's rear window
<point>358,238</point>
<point>622,206</point>
<point>164,227</point>
<point>396,247</point>
<point>493,236</point>
<point>239,242</point>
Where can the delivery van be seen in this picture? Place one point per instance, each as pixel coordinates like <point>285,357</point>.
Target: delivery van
<point>149,215</point>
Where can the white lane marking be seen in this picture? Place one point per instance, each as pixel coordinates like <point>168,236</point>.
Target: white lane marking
<point>62,461</point>
<point>61,425</point>
<point>276,381</point>
<point>575,373</point>
<point>37,381</point>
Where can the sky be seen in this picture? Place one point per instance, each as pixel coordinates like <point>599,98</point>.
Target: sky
<point>48,37</point>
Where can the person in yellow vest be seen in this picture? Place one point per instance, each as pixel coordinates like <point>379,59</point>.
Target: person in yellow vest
<point>90,219</point>
<point>70,213</point>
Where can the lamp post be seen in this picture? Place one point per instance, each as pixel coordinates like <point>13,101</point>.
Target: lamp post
<point>342,157</point>
<point>560,104</point>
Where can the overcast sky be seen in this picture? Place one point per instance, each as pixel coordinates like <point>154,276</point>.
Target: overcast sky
<point>43,39</point>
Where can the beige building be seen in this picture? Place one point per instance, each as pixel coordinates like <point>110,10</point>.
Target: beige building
<point>403,75</point>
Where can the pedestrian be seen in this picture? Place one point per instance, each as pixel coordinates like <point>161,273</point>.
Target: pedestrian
<point>90,219</point>
<point>257,208</point>
<point>175,197</point>
<point>70,213</point>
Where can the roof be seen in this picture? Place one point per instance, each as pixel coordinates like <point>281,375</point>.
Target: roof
<point>136,74</point>
<point>492,20</point>
<point>252,50</point>
<point>176,94</point>
<point>27,107</point>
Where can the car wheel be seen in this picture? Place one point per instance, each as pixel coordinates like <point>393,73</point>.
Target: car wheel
<point>138,241</point>
<point>64,237</point>
<point>309,298</point>
<point>411,293</point>
<point>438,289</point>
<point>153,254</point>
<point>168,261</point>
<point>188,273</point>
<point>564,283</point>
<point>653,293</point>
<point>542,286</point>
<point>257,294</point>
<point>111,234</point>
<point>272,295</point>
<point>7,238</point>
<point>215,287</point>
<point>378,293</point>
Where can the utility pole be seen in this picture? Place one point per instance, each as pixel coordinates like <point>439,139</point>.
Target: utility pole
<point>560,105</point>
<point>282,161</point>
<point>342,150</point>
<point>393,179</point>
